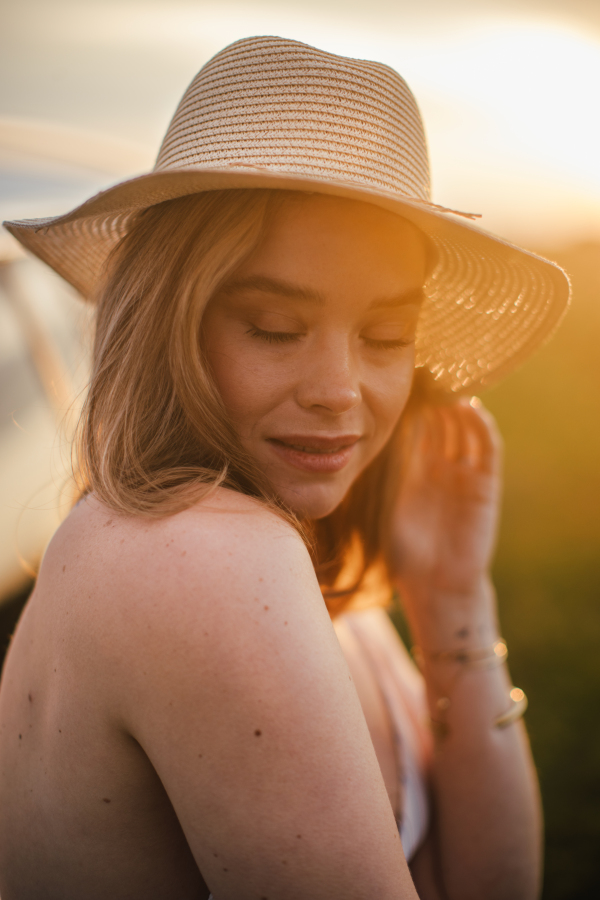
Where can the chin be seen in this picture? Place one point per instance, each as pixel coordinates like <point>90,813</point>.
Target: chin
<point>314,502</point>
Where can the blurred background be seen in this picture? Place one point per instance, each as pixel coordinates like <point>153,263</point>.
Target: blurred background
<point>509,90</point>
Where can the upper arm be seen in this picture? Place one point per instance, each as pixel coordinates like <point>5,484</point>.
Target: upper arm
<point>237,691</point>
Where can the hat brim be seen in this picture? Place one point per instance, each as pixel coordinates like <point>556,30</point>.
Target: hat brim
<point>488,304</point>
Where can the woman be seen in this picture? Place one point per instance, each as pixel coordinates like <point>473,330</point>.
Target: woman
<point>176,714</point>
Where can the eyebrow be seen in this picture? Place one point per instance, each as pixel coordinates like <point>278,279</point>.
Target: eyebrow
<point>266,285</point>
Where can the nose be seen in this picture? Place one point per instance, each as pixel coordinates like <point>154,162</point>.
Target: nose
<point>330,378</point>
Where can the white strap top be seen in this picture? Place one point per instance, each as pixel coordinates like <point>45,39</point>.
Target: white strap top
<point>403,692</point>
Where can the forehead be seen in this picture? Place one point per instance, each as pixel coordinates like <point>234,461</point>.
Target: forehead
<point>313,237</point>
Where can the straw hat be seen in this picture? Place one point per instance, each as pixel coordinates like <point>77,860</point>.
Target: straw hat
<point>267,112</point>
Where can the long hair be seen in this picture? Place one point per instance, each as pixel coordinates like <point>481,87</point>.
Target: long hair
<point>154,435</point>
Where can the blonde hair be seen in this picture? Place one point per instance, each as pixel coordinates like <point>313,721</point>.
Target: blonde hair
<point>154,435</point>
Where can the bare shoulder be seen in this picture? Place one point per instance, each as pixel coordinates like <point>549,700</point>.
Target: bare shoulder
<point>217,541</point>
<point>204,636</point>
<point>217,563</point>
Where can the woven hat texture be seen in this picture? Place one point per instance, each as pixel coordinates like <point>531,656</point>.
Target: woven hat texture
<point>268,112</point>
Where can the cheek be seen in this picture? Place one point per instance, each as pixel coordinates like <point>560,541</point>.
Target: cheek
<point>248,387</point>
<point>389,394</point>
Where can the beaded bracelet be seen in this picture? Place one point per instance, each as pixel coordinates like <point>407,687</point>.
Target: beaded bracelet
<point>482,658</point>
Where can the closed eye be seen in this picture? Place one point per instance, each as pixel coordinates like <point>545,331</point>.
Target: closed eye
<point>388,345</point>
<point>274,337</point>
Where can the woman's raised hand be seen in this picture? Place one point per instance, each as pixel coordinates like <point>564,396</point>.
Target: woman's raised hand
<point>446,513</point>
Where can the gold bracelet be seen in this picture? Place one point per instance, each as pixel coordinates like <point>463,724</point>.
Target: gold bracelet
<point>483,658</point>
<point>519,705</point>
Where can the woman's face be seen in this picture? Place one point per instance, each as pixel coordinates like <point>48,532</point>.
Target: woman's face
<point>311,344</point>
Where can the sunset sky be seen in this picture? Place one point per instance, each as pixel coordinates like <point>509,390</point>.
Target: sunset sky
<point>510,91</point>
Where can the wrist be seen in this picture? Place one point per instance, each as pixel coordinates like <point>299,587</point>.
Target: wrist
<point>444,619</point>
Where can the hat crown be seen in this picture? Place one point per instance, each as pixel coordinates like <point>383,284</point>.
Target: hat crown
<point>280,105</point>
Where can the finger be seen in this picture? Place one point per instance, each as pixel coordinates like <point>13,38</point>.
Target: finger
<point>436,432</point>
<point>469,443</point>
<point>483,434</point>
<point>467,446</point>
<point>446,429</point>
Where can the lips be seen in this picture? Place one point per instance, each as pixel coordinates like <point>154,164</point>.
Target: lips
<point>315,453</point>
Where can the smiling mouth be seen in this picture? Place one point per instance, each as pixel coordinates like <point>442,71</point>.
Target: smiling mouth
<point>317,454</point>
<point>317,443</point>
<point>311,449</point>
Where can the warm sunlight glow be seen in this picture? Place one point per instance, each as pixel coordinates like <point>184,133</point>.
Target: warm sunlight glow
<point>510,104</point>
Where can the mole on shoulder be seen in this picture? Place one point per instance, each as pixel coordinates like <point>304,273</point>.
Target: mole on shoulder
<point>258,732</point>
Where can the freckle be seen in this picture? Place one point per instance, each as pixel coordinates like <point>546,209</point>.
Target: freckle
<point>199,756</point>
<point>122,540</point>
<point>225,870</point>
<point>285,623</point>
<point>20,737</point>
<point>216,855</point>
<point>258,732</point>
<point>266,607</point>
<point>462,633</point>
<point>106,524</point>
<point>64,567</point>
<point>284,861</point>
<point>59,731</point>
<point>184,552</point>
<point>105,800</point>
<point>298,835</point>
<point>261,579</point>
<point>30,697</point>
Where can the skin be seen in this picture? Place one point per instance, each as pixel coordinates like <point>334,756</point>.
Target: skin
<point>176,711</point>
<point>313,340</point>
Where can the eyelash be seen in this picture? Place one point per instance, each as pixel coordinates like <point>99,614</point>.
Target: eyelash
<point>288,337</point>
<point>387,345</point>
<point>273,337</point>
